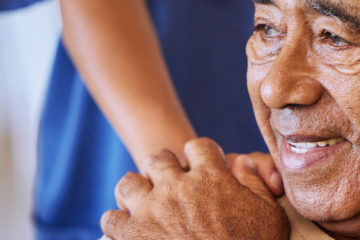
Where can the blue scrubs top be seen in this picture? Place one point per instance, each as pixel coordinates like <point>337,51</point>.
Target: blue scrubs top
<point>80,156</point>
<point>6,5</point>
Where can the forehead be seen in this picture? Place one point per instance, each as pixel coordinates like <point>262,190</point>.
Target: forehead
<point>347,11</point>
<point>352,6</point>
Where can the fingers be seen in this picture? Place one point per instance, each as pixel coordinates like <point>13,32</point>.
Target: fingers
<point>256,164</point>
<point>112,222</point>
<point>246,175</point>
<point>130,190</point>
<point>162,166</point>
<point>263,165</point>
<point>204,152</point>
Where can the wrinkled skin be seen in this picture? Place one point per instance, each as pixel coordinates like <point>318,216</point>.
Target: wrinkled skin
<point>206,202</point>
<point>304,83</point>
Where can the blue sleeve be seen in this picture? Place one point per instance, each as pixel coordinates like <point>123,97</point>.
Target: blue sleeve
<point>6,5</point>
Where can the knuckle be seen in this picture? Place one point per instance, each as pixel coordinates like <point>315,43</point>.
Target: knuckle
<point>201,143</point>
<point>204,148</point>
<point>241,162</point>
<point>123,187</point>
<point>115,223</point>
<point>106,219</point>
<point>127,178</point>
<point>249,163</point>
<point>243,158</point>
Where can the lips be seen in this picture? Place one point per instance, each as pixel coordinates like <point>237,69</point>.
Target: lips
<point>299,152</point>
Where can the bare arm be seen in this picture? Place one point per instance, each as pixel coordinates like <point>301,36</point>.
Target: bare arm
<point>114,46</point>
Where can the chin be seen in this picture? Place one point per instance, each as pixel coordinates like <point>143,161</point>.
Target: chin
<point>334,207</point>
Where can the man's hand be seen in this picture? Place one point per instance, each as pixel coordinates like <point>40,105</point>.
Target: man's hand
<point>206,202</point>
<point>250,169</point>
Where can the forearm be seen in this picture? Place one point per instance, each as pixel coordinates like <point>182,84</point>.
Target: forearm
<point>114,46</point>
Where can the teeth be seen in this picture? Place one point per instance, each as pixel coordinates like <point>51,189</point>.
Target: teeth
<point>311,144</point>
<point>300,144</point>
<point>299,150</point>
<point>303,147</point>
<point>332,142</point>
<point>322,144</point>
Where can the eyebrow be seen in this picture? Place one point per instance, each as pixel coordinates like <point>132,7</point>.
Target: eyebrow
<point>346,14</point>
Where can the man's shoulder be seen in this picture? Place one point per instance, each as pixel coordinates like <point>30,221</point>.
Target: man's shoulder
<point>301,228</point>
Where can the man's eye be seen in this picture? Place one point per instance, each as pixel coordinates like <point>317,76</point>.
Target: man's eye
<point>267,30</point>
<point>334,39</point>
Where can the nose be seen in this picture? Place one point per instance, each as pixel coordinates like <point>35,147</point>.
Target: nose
<point>291,80</point>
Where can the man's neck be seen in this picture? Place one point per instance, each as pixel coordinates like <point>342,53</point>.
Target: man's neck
<point>334,235</point>
<point>338,237</point>
<point>344,238</point>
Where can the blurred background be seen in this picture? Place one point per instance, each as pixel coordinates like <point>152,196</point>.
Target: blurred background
<point>28,38</point>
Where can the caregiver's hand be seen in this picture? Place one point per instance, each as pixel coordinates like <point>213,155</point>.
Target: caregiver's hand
<point>206,202</point>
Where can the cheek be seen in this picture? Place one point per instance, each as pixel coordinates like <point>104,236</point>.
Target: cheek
<point>257,71</point>
<point>329,195</point>
<point>260,52</point>
<point>255,77</point>
<point>345,61</point>
<point>256,74</point>
<point>350,100</point>
<point>345,90</point>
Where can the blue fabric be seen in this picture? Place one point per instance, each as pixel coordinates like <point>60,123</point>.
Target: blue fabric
<point>80,156</point>
<point>6,5</point>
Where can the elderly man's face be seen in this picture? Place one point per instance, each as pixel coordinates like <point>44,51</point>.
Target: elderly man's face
<point>304,82</point>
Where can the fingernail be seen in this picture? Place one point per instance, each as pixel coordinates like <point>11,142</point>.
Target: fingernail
<point>275,181</point>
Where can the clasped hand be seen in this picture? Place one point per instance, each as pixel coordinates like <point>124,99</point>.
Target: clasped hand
<point>205,202</point>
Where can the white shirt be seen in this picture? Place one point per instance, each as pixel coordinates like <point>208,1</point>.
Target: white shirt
<point>302,229</point>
